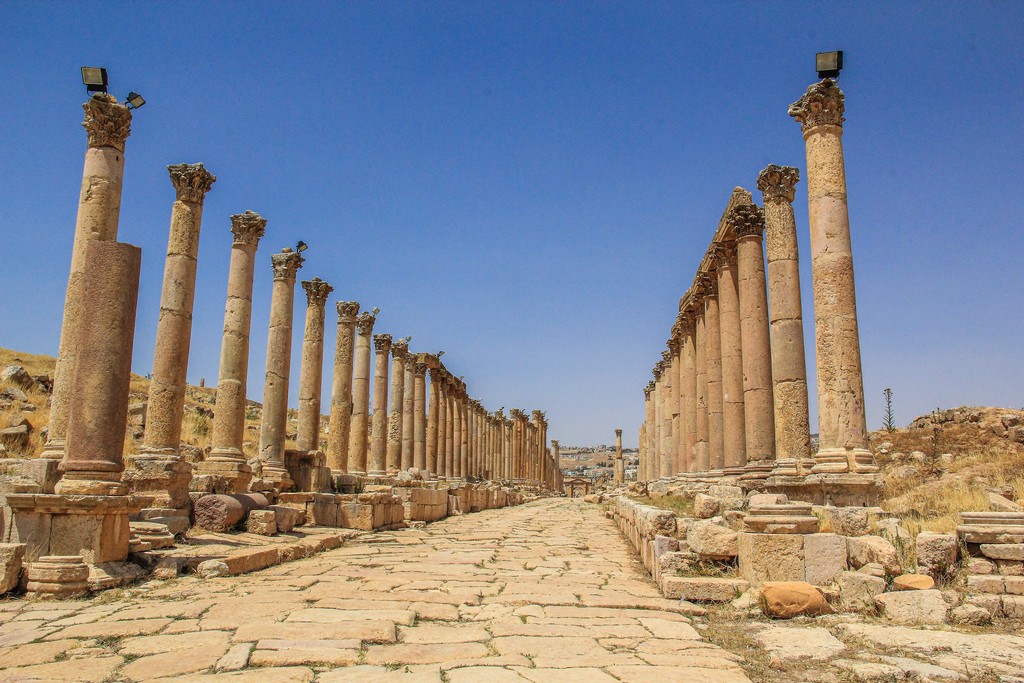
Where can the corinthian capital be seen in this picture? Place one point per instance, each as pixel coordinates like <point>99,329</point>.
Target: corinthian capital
<point>347,311</point>
<point>365,323</point>
<point>400,349</point>
<point>648,389</point>
<point>778,183</point>
<point>191,182</point>
<point>248,227</point>
<point>747,220</point>
<point>822,105</point>
<point>723,254</point>
<point>382,342</point>
<point>286,264</point>
<point>673,343</point>
<point>317,291</point>
<point>707,284</point>
<point>107,123</point>
<point>419,369</point>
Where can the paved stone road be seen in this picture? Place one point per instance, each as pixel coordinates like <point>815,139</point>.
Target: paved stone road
<point>543,592</point>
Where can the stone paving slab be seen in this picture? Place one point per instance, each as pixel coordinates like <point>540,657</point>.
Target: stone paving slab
<point>543,592</point>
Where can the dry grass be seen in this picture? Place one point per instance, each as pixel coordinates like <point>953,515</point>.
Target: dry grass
<point>681,505</point>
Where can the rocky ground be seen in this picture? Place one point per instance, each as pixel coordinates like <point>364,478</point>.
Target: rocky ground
<point>548,591</point>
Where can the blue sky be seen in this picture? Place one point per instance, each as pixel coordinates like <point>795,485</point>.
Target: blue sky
<point>529,186</point>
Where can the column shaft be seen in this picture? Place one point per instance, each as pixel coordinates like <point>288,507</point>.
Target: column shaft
<point>379,438</point>
<point>408,416</point>
<point>733,422</point>
<point>701,453</point>
<point>341,388</point>
<point>312,368</point>
<point>420,435</point>
<point>713,359</point>
<point>360,394</point>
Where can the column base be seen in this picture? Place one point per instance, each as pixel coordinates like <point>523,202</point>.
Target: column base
<point>786,467</point>
<point>94,527</point>
<point>844,461</point>
<point>277,476</point>
<point>230,464</point>
<point>160,480</point>
<point>90,483</point>
<point>757,471</point>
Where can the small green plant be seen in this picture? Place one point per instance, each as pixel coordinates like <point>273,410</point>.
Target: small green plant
<point>888,420</point>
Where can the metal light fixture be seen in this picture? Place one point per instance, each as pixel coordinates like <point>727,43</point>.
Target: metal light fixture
<point>134,100</point>
<point>94,78</point>
<point>439,354</point>
<point>301,246</point>
<point>828,64</point>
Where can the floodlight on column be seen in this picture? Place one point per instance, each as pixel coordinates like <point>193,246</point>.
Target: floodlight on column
<point>135,100</point>
<point>94,78</point>
<point>828,64</point>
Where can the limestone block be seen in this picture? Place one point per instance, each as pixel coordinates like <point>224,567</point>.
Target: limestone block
<point>761,499</point>
<point>873,569</point>
<point>704,506</point>
<point>866,549</point>
<point>62,576</point>
<point>788,599</point>
<point>711,541</point>
<point>771,557</point>
<point>1012,605</point>
<point>286,518</point>
<point>979,565</point>
<point>991,583</point>
<point>1003,551</point>
<point>858,591</point>
<point>970,615</point>
<point>846,521</point>
<point>1003,504</point>
<point>263,522</point>
<point>913,582</point>
<point>991,527</point>
<point>155,534</point>
<point>1009,568</point>
<point>936,553</point>
<point>211,569</point>
<point>702,589</point>
<point>990,603</point>
<point>913,607</point>
<point>218,512</point>
<point>725,491</point>
<point>672,562</point>
<point>1013,585</point>
<point>824,558</point>
<point>11,557</point>
<point>664,544</point>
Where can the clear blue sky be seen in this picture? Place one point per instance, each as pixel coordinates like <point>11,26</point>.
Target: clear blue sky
<point>530,186</point>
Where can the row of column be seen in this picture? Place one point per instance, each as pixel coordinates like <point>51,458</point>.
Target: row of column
<point>459,438</point>
<point>729,396</point>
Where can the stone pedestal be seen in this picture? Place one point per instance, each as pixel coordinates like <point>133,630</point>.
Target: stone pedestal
<point>108,125</point>
<point>341,388</point>
<point>842,424</point>
<point>57,577</point>
<point>227,457</point>
<point>158,476</point>
<point>279,355</point>
<point>95,527</point>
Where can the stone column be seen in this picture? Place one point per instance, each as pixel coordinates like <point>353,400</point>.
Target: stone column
<point>109,292</point>
<point>159,476</point>
<point>379,440</point>
<point>464,454</point>
<point>361,393</point>
<point>449,428</point>
<point>619,471</point>
<point>747,221</point>
<point>457,432</point>
<point>555,454</point>
<point>279,356</point>
<point>419,428</point>
<point>668,399</point>
<point>443,430</point>
<point>842,425</point>
<point>733,421</point>
<point>399,353</point>
<point>701,452</point>
<point>227,456</point>
<point>107,125</point>
<point>713,360</point>
<point>789,367</point>
<point>311,371</point>
<point>341,388</point>
<point>675,402</point>
<point>433,426</point>
<point>643,473</point>
<point>689,379</point>
<point>408,415</point>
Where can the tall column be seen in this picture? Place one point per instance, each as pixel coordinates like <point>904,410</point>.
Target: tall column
<point>408,416</point>
<point>419,428</point>
<point>733,421</point>
<point>432,421</point>
<point>107,125</point>
<point>442,428</point>
<point>556,456</point>
<point>789,367</point>
<point>311,371</point>
<point>713,372</point>
<point>668,399</point>
<point>464,451</point>
<point>644,472</point>
<point>95,436</point>
<point>341,388</point>
<point>449,428</point>
<point>675,401</point>
<point>159,476</point>
<point>361,393</point>
<point>689,379</point>
<point>279,356</point>
<point>842,425</point>
<point>701,452</point>
<point>399,353</point>
<point>227,457</point>
<point>619,471</point>
<point>379,440</point>
<point>456,422</point>
<point>747,221</point>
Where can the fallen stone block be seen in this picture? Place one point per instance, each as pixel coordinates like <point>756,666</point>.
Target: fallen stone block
<point>218,512</point>
<point>913,607</point>
<point>702,589</point>
<point>263,522</point>
<point>11,557</point>
<point>788,599</point>
<point>936,553</point>
<point>873,549</point>
<point>913,582</point>
<point>858,591</point>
